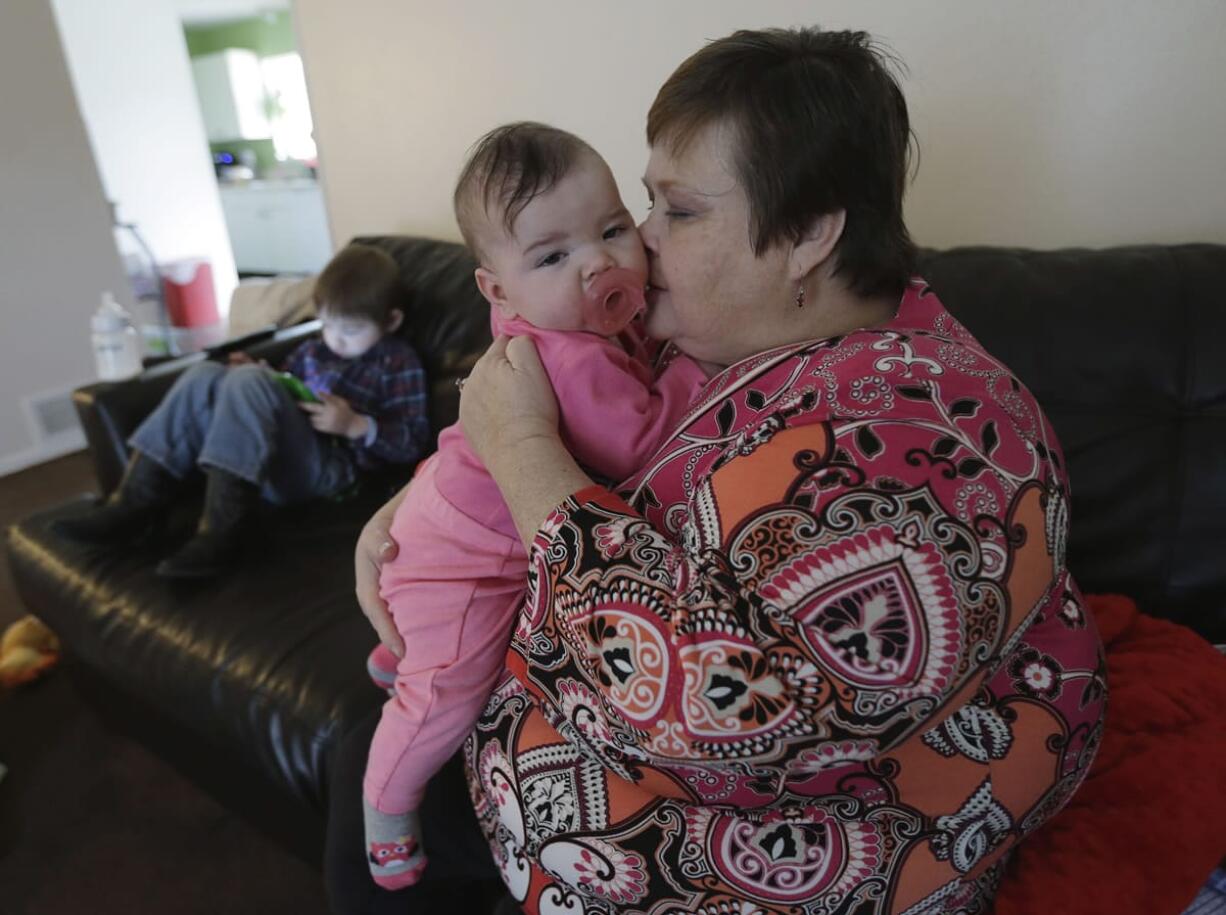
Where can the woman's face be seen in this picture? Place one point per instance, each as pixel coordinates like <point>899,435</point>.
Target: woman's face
<point>708,292</point>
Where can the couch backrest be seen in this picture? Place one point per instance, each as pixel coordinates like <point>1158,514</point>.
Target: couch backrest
<point>449,321</point>
<point>1125,348</point>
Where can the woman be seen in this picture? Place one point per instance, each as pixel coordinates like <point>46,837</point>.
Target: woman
<point>822,653</point>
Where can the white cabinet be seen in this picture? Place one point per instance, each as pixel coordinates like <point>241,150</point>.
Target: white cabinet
<point>232,100</point>
<point>277,226</point>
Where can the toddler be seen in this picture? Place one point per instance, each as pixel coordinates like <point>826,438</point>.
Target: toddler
<point>560,262</point>
<point>243,428</point>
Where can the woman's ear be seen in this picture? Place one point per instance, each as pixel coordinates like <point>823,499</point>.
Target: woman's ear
<point>491,288</point>
<point>817,245</point>
<point>395,318</point>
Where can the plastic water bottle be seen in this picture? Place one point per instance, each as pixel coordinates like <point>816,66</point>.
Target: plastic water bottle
<point>115,341</point>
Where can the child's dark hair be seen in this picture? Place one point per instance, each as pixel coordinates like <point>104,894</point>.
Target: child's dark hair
<point>361,281</point>
<point>507,169</point>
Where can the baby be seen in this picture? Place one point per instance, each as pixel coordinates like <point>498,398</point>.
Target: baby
<point>560,262</point>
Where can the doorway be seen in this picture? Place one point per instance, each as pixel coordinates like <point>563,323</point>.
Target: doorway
<point>257,118</point>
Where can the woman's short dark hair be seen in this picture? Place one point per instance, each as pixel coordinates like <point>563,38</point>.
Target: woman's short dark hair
<point>820,125</point>
<point>507,169</point>
<point>361,281</point>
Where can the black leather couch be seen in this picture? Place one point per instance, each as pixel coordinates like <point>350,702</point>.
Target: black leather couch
<point>248,684</point>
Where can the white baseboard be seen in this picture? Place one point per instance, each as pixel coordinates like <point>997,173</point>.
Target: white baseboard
<point>48,450</point>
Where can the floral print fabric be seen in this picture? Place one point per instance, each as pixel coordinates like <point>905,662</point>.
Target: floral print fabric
<point>821,655</point>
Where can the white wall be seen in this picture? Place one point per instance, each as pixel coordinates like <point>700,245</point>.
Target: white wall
<point>133,78</point>
<point>1045,123</point>
<point>56,250</point>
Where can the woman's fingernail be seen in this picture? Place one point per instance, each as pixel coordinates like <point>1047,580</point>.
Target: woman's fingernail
<point>384,547</point>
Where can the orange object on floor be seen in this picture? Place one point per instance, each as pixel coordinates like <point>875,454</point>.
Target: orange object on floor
<point>27,650</point>
<point>1149,823</point>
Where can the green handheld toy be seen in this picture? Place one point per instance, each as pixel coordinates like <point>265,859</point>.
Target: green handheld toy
<point>297,389</point>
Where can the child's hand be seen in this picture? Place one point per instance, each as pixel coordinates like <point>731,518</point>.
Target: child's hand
<point>335,417</point>
<point>241,358</point>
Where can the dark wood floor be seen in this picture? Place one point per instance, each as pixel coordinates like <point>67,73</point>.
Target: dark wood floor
<point>90,821</point>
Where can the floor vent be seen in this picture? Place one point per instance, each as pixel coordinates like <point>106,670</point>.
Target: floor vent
<point>52,415</point>
<point>54,430</point>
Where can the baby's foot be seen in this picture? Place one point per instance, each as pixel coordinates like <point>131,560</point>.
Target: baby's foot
<point>393,848</point>
<point>381,665</point>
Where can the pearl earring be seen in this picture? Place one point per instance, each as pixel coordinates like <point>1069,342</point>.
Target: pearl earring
<point>800,295</point>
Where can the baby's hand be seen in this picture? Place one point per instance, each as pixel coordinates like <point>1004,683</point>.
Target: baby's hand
<point>335,417</point>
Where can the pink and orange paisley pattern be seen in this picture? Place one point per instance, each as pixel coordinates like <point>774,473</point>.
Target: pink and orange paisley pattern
<point>822,655</point>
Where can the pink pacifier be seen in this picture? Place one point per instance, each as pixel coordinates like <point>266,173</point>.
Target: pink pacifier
<point>612,300</point>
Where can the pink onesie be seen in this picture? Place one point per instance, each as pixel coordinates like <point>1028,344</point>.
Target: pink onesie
<point>461,570</point>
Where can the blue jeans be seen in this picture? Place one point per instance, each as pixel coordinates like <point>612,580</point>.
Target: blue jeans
<point>242,421</point>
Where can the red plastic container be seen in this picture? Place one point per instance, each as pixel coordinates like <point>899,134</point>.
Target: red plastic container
<point>190,299</point>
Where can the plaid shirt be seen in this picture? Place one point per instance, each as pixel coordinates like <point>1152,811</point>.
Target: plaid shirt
<point>386,384</point>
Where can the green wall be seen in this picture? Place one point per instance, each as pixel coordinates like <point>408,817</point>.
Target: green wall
<point>274,35</point>
<point>264,36</point>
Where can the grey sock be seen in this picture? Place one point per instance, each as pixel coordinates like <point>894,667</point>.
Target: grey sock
<point>393,846</point>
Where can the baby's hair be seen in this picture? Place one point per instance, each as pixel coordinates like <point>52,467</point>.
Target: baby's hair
<point>507,169</point>
<point>360,282</point>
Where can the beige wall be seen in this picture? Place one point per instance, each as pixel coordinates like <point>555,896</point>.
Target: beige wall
<point>56,250</point>
<point>1045,123</point>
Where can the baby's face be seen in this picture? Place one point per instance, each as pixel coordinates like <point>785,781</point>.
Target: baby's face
<point>561,242</point>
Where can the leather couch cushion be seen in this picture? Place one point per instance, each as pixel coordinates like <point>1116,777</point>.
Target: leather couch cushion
<point>268,662</point>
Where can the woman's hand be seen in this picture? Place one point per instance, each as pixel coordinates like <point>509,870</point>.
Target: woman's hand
<point>510,415</point>
<point>375,547</point>
<point>507,400</point>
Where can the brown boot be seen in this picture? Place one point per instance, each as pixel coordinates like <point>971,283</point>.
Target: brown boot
<point>127,512</point>
<point>228,501</point>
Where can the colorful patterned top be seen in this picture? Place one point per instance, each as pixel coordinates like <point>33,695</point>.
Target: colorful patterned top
<point>821,655</point>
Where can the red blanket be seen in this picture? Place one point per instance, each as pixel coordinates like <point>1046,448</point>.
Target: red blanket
<point>1149,823</point>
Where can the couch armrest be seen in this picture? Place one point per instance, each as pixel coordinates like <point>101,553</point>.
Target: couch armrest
<point>110,411</point>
